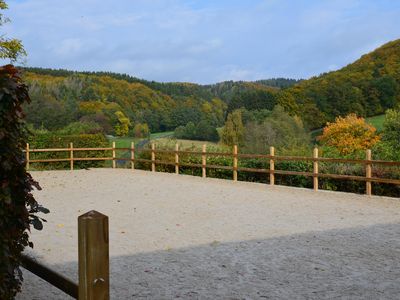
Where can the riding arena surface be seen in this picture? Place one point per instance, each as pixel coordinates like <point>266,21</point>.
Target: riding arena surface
<point>177,236</point>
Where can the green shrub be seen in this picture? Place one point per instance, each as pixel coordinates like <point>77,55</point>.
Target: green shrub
<point>18,208</point>
<point>52,140</point>
<point>75,128</point>
<point>202,131</point>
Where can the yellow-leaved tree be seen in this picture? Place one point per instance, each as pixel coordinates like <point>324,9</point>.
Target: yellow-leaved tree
<point>349,134</point>
<point>122,127</point>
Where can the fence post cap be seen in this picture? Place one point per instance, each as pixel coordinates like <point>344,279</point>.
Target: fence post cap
<point>93,214</point>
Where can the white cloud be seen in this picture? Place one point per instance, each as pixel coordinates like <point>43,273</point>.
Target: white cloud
<point>204,41</point>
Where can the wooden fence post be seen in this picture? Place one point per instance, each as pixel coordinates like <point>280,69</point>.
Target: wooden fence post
<point>176,158</point>
<point>132,155</point>
<point>235,162</point>
<point>93,253</point>
<point>153,158</point>
<point>315,169</point>
<point>203,161</point>
<point>113,155</point>
<point>71,155</point>
<point>27,156</point>
<point>368,172</point>
<point>272,166</point>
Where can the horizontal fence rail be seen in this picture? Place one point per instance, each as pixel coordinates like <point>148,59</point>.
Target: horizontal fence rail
<point>59,281</point>
<point>271,158</point>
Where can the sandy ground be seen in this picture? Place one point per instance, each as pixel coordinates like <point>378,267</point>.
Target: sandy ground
<point>175,236</point>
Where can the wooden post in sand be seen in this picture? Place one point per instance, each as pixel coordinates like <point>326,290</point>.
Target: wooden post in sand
<point>27,156</point>
<point>271,166</point>
<point>93,256</point>
<point>132,155</point>
<point>176,158</point>
<point>315,169</point>
<point>71,155</point>
<point>368,172</point>
<point>235,163</point>
<point>153,158</point>
<point>203,161</point>
<point>113,155</point>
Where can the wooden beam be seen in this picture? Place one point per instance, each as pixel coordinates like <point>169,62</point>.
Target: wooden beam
<point>368,172</point>
<point>235,163</point>
<point>93,252</point>
<point>176,158</point>
<point>132,155</point>
<point>203,161</point>
<point>153,157</point>
<point>315,169</point>
<point>71,156</point>
<point>271,166</point>
<point>58,280</point>
<point>27,156</point>
<point>113,155</point>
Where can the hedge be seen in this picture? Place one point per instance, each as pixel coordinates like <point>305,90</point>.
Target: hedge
<point>50,140</point>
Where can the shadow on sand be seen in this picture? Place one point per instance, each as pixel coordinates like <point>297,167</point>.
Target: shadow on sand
<point>354,263</point>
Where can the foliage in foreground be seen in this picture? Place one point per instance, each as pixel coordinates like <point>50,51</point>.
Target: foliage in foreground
<point>18,207</point>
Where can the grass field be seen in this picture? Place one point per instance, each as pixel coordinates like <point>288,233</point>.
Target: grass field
<point>376,121</point>
<point>187,144</point>
<point>125,142</point>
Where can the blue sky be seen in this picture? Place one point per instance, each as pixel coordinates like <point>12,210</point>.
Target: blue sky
<point>202,41</point>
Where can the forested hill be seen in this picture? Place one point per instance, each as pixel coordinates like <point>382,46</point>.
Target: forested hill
<point>367,87</point>
<point>60,97</point>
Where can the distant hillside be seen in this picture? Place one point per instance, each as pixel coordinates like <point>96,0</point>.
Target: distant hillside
<point>367,87</point>
<point>60,97</point>
<point>60,100</point>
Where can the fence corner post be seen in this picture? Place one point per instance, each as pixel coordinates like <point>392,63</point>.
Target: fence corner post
<point>71,155</point>
<point>315,169</point>
<point>93,256</point>
<point>153,157</point>
<point>203,161</point>
<point>235,163</point>
<point>132,155</point>
<point>368,172</point>
<point>271,166</point>
<point>27,156</point>
<point>176,158</point>
<point>113,155</point>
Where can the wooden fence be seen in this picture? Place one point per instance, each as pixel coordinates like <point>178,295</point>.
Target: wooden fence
<point>368,162</point>
<point>93,261</point>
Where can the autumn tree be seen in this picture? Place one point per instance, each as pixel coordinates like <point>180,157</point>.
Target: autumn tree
<point>349,134</point>
<point>10,48</point>
<point>141,130</point>
<point>233,131</point>
<point>122,127</point>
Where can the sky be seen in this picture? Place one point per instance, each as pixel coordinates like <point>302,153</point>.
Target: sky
<point>203,41</point>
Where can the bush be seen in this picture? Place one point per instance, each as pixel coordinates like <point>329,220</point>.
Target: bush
<point>349,134</point>
<point>80,128</point>
<point>203,131</point>
<point>53,140</point>
<point>18,207</point>
<point>141,130</point>
<point>279,129</point>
